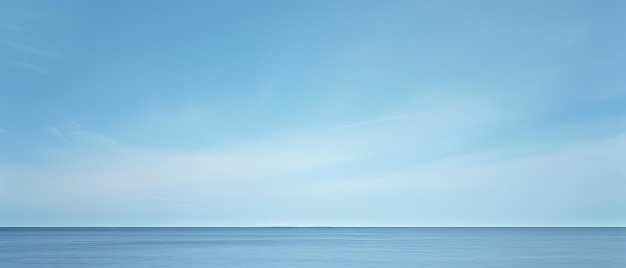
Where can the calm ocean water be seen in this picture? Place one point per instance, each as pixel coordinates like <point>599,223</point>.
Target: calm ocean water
<point>313,247</point>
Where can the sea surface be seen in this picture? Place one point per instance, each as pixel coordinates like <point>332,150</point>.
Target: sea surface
<point>313,247</point>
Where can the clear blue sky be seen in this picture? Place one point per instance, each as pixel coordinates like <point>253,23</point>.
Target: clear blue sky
<point>347,112</point>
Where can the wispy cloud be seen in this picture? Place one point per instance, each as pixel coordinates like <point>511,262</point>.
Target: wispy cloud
<point>181,142</point>
<point>568,36</point>
<point>614,94</point>
<point>32,15</point>
<point>254,177</point>
<point>31,50</point>
<point>374,121</point>
<point>417,158</point>
<point>78,136</point>
<point>31,67</point>
<point>57,133</point>
<point>11,27</point>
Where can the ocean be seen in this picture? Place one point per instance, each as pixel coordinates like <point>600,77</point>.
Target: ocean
<point>313,247</point>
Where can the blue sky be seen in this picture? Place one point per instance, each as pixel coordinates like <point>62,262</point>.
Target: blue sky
<point>306,113</point>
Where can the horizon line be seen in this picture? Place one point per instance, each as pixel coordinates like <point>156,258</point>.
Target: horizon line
<point>324,226</point>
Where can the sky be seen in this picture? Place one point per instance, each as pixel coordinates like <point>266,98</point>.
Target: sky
<point>312,113</point>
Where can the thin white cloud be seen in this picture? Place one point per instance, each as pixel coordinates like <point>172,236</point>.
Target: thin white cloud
<point>89,137</point>
<point>180,142</point>
<point>324,171</point>
<point>32,15</point>
<point>572,35</point>
<point>57,133</point>
<point>127,174</point>
<point>31,67</point>
<point>173,198</point>
<point>613,94</point>
<point>76,134</point>
<point>247,181</point>
<point>4,132</point>
<point>374,121</point>
<point>544,189</point>
<point>11,27</point>
<point>31,50</point>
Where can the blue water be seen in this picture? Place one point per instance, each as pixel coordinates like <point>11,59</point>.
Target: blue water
<point>313,247</point>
